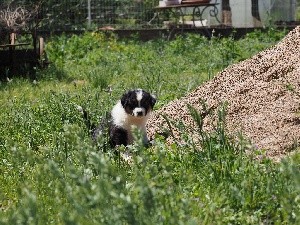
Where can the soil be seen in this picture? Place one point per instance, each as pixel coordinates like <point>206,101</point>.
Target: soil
<point>263,96</point>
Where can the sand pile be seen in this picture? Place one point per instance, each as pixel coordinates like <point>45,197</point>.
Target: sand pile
<point>263,95</point>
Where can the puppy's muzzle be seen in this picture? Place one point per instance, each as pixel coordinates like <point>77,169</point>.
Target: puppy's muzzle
<point>139,112</point>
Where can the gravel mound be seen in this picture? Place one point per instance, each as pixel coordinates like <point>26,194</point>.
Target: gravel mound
<point>263,96</point>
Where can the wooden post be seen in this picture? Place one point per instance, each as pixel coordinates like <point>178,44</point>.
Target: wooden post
<point>226,13</point>
<point>12,37</point>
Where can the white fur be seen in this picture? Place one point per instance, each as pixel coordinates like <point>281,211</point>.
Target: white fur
<point>139,95</point>
<point>128,122</point>
<point>137,110</point>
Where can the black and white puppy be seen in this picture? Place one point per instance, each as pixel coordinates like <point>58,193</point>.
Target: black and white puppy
<point>130,112</point>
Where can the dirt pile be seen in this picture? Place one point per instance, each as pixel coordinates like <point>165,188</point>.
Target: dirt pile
<point>263,95</point>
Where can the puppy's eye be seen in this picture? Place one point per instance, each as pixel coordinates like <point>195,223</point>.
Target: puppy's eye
<point>131,107</point>
<point>132,104</point>
<point>144,102</point>
<point>147,101</point>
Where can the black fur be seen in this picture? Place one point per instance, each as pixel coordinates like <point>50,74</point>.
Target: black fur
<point>101,129</point>
<point>117,136</point>
<point>129,101</point>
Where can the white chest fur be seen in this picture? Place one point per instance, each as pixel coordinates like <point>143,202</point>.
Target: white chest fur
<point>128,122</point>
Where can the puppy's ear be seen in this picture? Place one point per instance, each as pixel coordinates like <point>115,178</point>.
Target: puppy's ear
<point>153,100</point>
<point>124,99</point>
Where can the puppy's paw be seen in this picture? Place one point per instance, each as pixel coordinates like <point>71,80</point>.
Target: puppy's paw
<point>126,156</point>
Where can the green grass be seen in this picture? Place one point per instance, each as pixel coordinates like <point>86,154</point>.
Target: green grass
<point>51,173</point>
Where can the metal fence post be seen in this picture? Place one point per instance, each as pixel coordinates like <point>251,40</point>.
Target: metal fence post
<point>89,13</point>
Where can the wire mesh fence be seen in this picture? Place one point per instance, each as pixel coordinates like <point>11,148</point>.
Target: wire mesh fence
<point>88,14</point>
<point>132,14</point>
<point>72,15</point>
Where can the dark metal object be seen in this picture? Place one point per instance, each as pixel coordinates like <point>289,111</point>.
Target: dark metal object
<point>198,9</point>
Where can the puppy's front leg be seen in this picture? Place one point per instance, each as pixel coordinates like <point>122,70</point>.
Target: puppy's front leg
<point>118,136</point>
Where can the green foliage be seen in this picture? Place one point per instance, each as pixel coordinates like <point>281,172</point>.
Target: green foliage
<point>181,64</point>
<point>51,172</point>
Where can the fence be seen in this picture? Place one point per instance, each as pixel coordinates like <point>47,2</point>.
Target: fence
<point>132,14</point>
<point>71,15</point>
<point>88,14</point>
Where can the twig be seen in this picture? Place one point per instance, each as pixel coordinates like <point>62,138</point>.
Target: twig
<point>17,18</point>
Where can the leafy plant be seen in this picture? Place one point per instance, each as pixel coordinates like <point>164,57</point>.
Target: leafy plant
<point>52,172</point>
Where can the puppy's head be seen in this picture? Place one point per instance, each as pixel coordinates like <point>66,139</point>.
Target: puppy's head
<point>138,102</point>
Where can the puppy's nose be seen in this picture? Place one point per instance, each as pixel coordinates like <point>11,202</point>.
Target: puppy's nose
<point>140,113</point>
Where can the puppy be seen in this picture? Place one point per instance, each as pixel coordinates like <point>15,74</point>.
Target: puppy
<point>130,112</point>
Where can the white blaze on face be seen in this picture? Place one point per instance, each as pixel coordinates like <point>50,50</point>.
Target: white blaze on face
<point>139,111</point>
<point>139,95</point>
